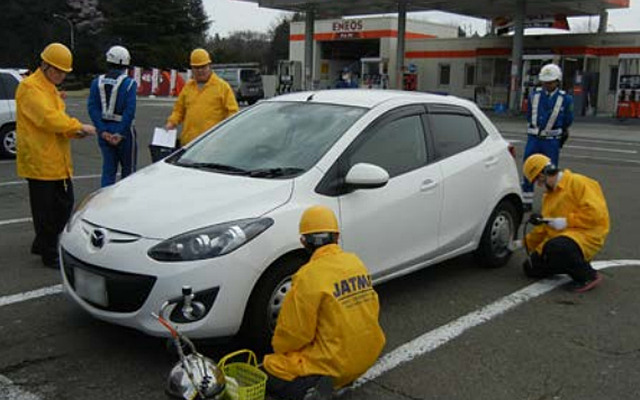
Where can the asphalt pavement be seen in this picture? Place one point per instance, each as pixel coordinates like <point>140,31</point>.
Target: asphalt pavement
<point>454,331</point>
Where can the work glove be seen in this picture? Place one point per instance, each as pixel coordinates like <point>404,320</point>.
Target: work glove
<point>536,219</point>
<point>514,245</point>
<point>557,223</point>
<point>564,136</point>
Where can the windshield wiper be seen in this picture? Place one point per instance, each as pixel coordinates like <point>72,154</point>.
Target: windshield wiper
<point>274,172</point>
<point>215,167</point>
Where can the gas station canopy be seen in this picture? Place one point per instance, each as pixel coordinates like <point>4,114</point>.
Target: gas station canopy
<point>475,8</point>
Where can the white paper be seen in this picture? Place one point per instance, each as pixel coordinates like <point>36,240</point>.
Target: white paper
<point>164,138</point>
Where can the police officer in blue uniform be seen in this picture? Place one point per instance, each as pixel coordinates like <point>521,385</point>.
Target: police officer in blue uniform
<point>112,108</point>
<point>549,114</point>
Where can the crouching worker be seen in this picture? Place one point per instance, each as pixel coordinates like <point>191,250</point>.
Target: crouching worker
<point>327,333</point>
<point>576,223</point>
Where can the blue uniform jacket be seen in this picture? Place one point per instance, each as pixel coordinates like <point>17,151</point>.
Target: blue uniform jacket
<point>545,108</point>
<point>125,106</point>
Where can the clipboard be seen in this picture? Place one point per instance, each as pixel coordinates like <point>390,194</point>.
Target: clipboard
<point>164,138</point>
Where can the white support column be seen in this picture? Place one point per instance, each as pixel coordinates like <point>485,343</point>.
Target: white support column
<point>516,55</point>
<point>402,29</point>
<point>604,21</point>
<point>308,48</point>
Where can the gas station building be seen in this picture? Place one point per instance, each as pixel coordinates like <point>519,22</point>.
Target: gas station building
<point>602,69</point>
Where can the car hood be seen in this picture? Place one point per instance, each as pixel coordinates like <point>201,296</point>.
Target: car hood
<point>164,200</point>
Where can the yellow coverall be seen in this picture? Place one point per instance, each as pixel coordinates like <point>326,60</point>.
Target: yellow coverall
<point>328,324</point>
<point>202,108</point>
<point>580,200</point>
<point>43,129</point>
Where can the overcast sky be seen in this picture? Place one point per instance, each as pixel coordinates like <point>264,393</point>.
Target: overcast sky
<point>232,15</point>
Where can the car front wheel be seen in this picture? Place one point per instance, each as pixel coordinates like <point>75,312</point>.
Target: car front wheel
<point>266,301</point>
<point>8,141</point>
<point>493,251</point>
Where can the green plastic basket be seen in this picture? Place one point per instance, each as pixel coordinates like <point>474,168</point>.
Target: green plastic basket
<point>247,381</point>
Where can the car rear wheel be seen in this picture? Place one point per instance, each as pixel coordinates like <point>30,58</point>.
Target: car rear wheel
<point>8,141</point>
<point>493,251</point>
<point>266,301</point>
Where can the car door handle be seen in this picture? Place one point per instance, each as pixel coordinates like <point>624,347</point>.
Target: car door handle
<point>428,185</point>
<point>491,161</point>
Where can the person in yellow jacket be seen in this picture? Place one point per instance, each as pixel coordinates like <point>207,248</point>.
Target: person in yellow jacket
<point>327,333</point>
<point>43,149</point>
<point>204,101</point>
<point>574,227</point>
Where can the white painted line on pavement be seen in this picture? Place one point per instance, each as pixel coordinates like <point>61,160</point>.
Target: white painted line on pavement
<point>602,149</point>
<point>34,294</point>
<point>419,346</point>
<point>442,335</point>
<point>15,221</point>
<point>7,161</point>
<point>615,160</point>
<point>24,181</point>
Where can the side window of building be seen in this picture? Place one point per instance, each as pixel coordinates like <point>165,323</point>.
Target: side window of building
<point>398,146</point>
<point>613,78</point>
<point>469,74</point>
<point>453,132</point>
<point>444,74</point>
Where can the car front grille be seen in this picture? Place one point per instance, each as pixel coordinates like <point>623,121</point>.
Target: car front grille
<point>126,292</point>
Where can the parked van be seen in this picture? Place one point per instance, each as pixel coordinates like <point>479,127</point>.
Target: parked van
<point>245,81</point>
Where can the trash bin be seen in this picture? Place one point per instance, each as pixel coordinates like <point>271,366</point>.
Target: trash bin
<point>160,152</point>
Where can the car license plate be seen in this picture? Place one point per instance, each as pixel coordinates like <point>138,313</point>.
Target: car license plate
<point>91,287</point>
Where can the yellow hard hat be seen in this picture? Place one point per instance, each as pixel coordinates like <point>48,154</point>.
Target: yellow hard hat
<point>317,219</point>
<point>534,165</point>
<point>58,55</point>
<point>200,57</point>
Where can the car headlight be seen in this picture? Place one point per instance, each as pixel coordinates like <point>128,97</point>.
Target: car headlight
<point>209,242</point>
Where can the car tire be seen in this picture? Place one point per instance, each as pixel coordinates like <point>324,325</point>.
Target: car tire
<point>8,141</point>
<point>264,304</point>
<point>499,231</point>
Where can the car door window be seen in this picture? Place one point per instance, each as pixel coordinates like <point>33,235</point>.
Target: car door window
<point>397,146</point>
<point>8,86</point>
<point>453,133</point>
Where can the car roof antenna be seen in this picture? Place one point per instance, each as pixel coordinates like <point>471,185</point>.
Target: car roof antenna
<point>311,97</point>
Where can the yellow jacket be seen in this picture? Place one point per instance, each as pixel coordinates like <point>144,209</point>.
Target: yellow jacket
<point>200,109</point>
<point>328,324</point>
<point>43,129</point>
<point>580,200</point>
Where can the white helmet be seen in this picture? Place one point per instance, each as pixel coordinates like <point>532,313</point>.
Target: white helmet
<point>118,55</point>
<point>550,73</point>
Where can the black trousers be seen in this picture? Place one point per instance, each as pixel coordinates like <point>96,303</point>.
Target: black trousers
<point>51,206</point>
<point>290,390</point>
<point>560,255</point>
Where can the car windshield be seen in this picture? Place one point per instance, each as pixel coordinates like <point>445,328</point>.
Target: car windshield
<point>271,140</point>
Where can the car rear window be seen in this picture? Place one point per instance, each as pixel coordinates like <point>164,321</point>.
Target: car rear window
<point>249,75</point>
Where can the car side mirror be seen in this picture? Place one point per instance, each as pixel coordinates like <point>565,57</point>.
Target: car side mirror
<point>366,176</point>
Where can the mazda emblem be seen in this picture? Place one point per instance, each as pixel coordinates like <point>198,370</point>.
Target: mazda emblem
<point>98,238</point>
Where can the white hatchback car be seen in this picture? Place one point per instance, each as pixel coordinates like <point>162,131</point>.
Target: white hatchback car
<point>414,179</point>
<point>9,80</point>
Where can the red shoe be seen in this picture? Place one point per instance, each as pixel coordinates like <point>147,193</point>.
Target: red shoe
<point>588,285</point>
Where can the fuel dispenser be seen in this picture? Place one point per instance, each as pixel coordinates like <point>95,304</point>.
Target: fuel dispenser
<point>375,73</point>
<point>628,90</point>
<point>410,78</point>
<point>289,76</point>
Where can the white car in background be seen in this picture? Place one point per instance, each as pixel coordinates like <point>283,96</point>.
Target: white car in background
<point>9,80</point>
<point>415,179</point>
